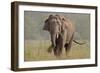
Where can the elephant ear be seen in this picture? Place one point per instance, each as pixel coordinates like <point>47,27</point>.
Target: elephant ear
<point>63,27</point>
<point>46,25</point>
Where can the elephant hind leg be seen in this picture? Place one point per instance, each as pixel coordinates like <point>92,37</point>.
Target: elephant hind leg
<point>67,47</point>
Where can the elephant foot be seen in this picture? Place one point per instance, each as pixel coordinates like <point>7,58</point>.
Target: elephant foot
<point>50,49</point>
<point>57,52</point>
<point>67,49</point>
<point>67,53</point>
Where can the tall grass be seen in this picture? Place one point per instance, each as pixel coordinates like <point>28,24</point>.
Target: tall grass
<point>36,50</point>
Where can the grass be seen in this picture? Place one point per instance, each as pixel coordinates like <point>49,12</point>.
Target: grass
<point>36,50</point>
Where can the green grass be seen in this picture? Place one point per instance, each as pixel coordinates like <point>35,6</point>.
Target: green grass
<point>36,50</point>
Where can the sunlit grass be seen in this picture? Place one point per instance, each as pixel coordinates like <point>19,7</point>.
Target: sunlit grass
<point>37,50</point>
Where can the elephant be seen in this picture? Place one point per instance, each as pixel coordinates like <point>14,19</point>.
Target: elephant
<point>66,35</point>
<point>53,25</point>
<point>61,31</point>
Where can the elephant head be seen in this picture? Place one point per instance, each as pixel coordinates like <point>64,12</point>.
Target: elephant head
<point>53,26</point>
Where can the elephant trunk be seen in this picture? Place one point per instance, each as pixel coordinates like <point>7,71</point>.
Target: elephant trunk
<point>54,36</point>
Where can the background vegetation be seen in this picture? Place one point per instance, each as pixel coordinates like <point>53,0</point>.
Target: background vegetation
<point>37,40</point>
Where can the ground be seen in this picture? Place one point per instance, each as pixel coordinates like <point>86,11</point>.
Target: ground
<point>36,50</point>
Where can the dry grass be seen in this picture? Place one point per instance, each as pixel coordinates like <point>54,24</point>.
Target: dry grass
<point>37,50</point>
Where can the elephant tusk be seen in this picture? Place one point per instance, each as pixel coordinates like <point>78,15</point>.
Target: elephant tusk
<point>57,36</point>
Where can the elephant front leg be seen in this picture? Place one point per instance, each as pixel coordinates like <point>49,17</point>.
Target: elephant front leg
<point>56,48</point>
<point>53,42</point>
<point>59,46</point>
<point>50,49</point>
<point>57,51</point>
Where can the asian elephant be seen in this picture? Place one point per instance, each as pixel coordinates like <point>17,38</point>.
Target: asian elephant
<point>61,31</point>
<point>53,25</point>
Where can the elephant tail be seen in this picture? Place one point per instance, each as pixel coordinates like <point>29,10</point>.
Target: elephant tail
<point>79,42</point>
